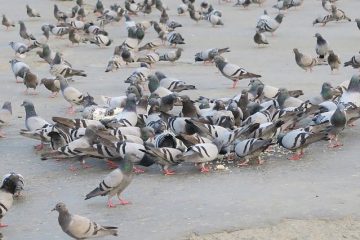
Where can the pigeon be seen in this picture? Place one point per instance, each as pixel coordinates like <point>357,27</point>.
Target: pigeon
<point>232,71</point>
<point>339,14</point>
<point>209,54</point>
<point>46,54</point>
<point>173,84</point>
<point>19,69</point>
<point>18,180</point>
<point>75,37</point>
<point>149,58</point>
<point>101,40</point>
<point>201,154</point>
<point>132,7</point>
<point>59,15</point>
<point>324,20</point>
<point>154,44</point>
<point>333,61</point>
<point>155,88</point>
<point>285,100</point>
<point>322,46</point>
<point>306,62</point>
<point>114,63</point>
<point>31,12</point>
<point>357,20</point>
<point>243,3</point>
<point>58,31</point>
<point>165,157</point>
<point>24,34</point>
<point>171,56</point>
<point>215,20</point>
<point>32,120</point>
<point>194,15</point>
<point>326,4</point>
<point>338,122</point>
<point>70,94</point>
<point>30,81</point>
<point>175,38</point>
<point>251,148</point>
<point>269,24</point>
<point>139,75</point>
<point>260,39</point>
<point>19,48</point>
<point>352,94</point>
<point>79,227</point>
<point>128,116</point>
<point>58,68</point>
<point>164,17</point>
<point>53,85</point>
<point>6,22</point>
<point>115,182</point>
<point>298,139</point>
<point>7,191</point>
<point>5,116</point>
<point>354,61</point>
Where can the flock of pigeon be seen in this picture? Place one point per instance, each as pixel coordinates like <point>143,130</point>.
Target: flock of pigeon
<point>154,122</point>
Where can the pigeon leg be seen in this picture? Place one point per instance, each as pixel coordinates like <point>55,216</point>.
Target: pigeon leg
<point>111,164</point>
<point>138,170</point>
<point>204,169</point>
<point>168,172</point>
<point>245,163</point>
<point>110,204</point>
<point>234,84</point>
<point>3,225</point>
<point>123,201</point>
<point>54,94</point>
<point>39,147</point>
<point>295,157</point>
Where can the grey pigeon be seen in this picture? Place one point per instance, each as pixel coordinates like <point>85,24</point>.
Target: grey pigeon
<point>333,61</point>
<point>232,71</point>
<point>19,48</point>
<point>6,22</point>
<point>32,120</point>
<point>31,12</point>
<point>209,54</point>
<point>322,46</point>
<point>251,148</point>
<point>19,69</point>
<point>79,227</point>
<point>338,122</point>
<point>171,56</point>
<point>24,34</point>
<point>269,24</point>
<point>115,182</point>
<point>306,62</point>
<point>5,116</point>
<point>46,54</point>
<point>173,84</point>
<point>59,68</point>
<point>175,38</point>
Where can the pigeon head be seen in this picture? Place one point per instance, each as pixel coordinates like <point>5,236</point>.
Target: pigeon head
<point>9,184</point>
<point>327,91</point>
<point>154,83</point>
<point>219,105</point>
<point>160,75</point>
<point>279,17</point>
<point>132,89</point>
<point>296,51</point>
<point>7,106</point>
<point>130,105</point>
<point>60,207</point>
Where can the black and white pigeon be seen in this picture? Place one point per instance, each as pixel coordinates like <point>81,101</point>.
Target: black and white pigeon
<point>101,40</point>
<point>24,34</point>
<point>7,22</point>
<point>171,56</point>
<point>19,69</point>
<point>232,71</point>
<point>19,48</point>
<point>209,54</point>
<point>5,116</point>
<point>115,182</point>
<point>164,157</point>
<point>333,61</point>
<point>304,61</point>
<point>201,153</point>
<point>175,38</point>
<point>214,19</point>
<point>298,139</point>
<point>7,191</point>
<point>173,84</point>
<point>59,68</point>
<point>251,148</point>
<point>322,46</point>
<point>339,14</point>
<point>58,31</point>
<point>79,227</point>
<point>352,93</point>
<point>269,24</point>
<point>31,12</point>
<point>354,61</point>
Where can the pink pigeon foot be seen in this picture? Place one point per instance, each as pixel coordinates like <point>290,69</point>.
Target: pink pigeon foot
<point>204,170</point>
<point>123,202</point>
<point>110,204</point>
<point>168,172</point>
<point>3,225</point>
<point>296,157</point>
<point>138,170</point>
<point>39,147</point>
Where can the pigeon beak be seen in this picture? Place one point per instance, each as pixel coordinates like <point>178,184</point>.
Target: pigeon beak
<point>54,209</point>
<point>22,105</point>
<point>277,94</point>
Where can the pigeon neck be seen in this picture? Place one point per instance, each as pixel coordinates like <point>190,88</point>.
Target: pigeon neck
<point>64,218</point>
<point>30,111</point>
<point>126,166</point>
<point>130,106</point>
